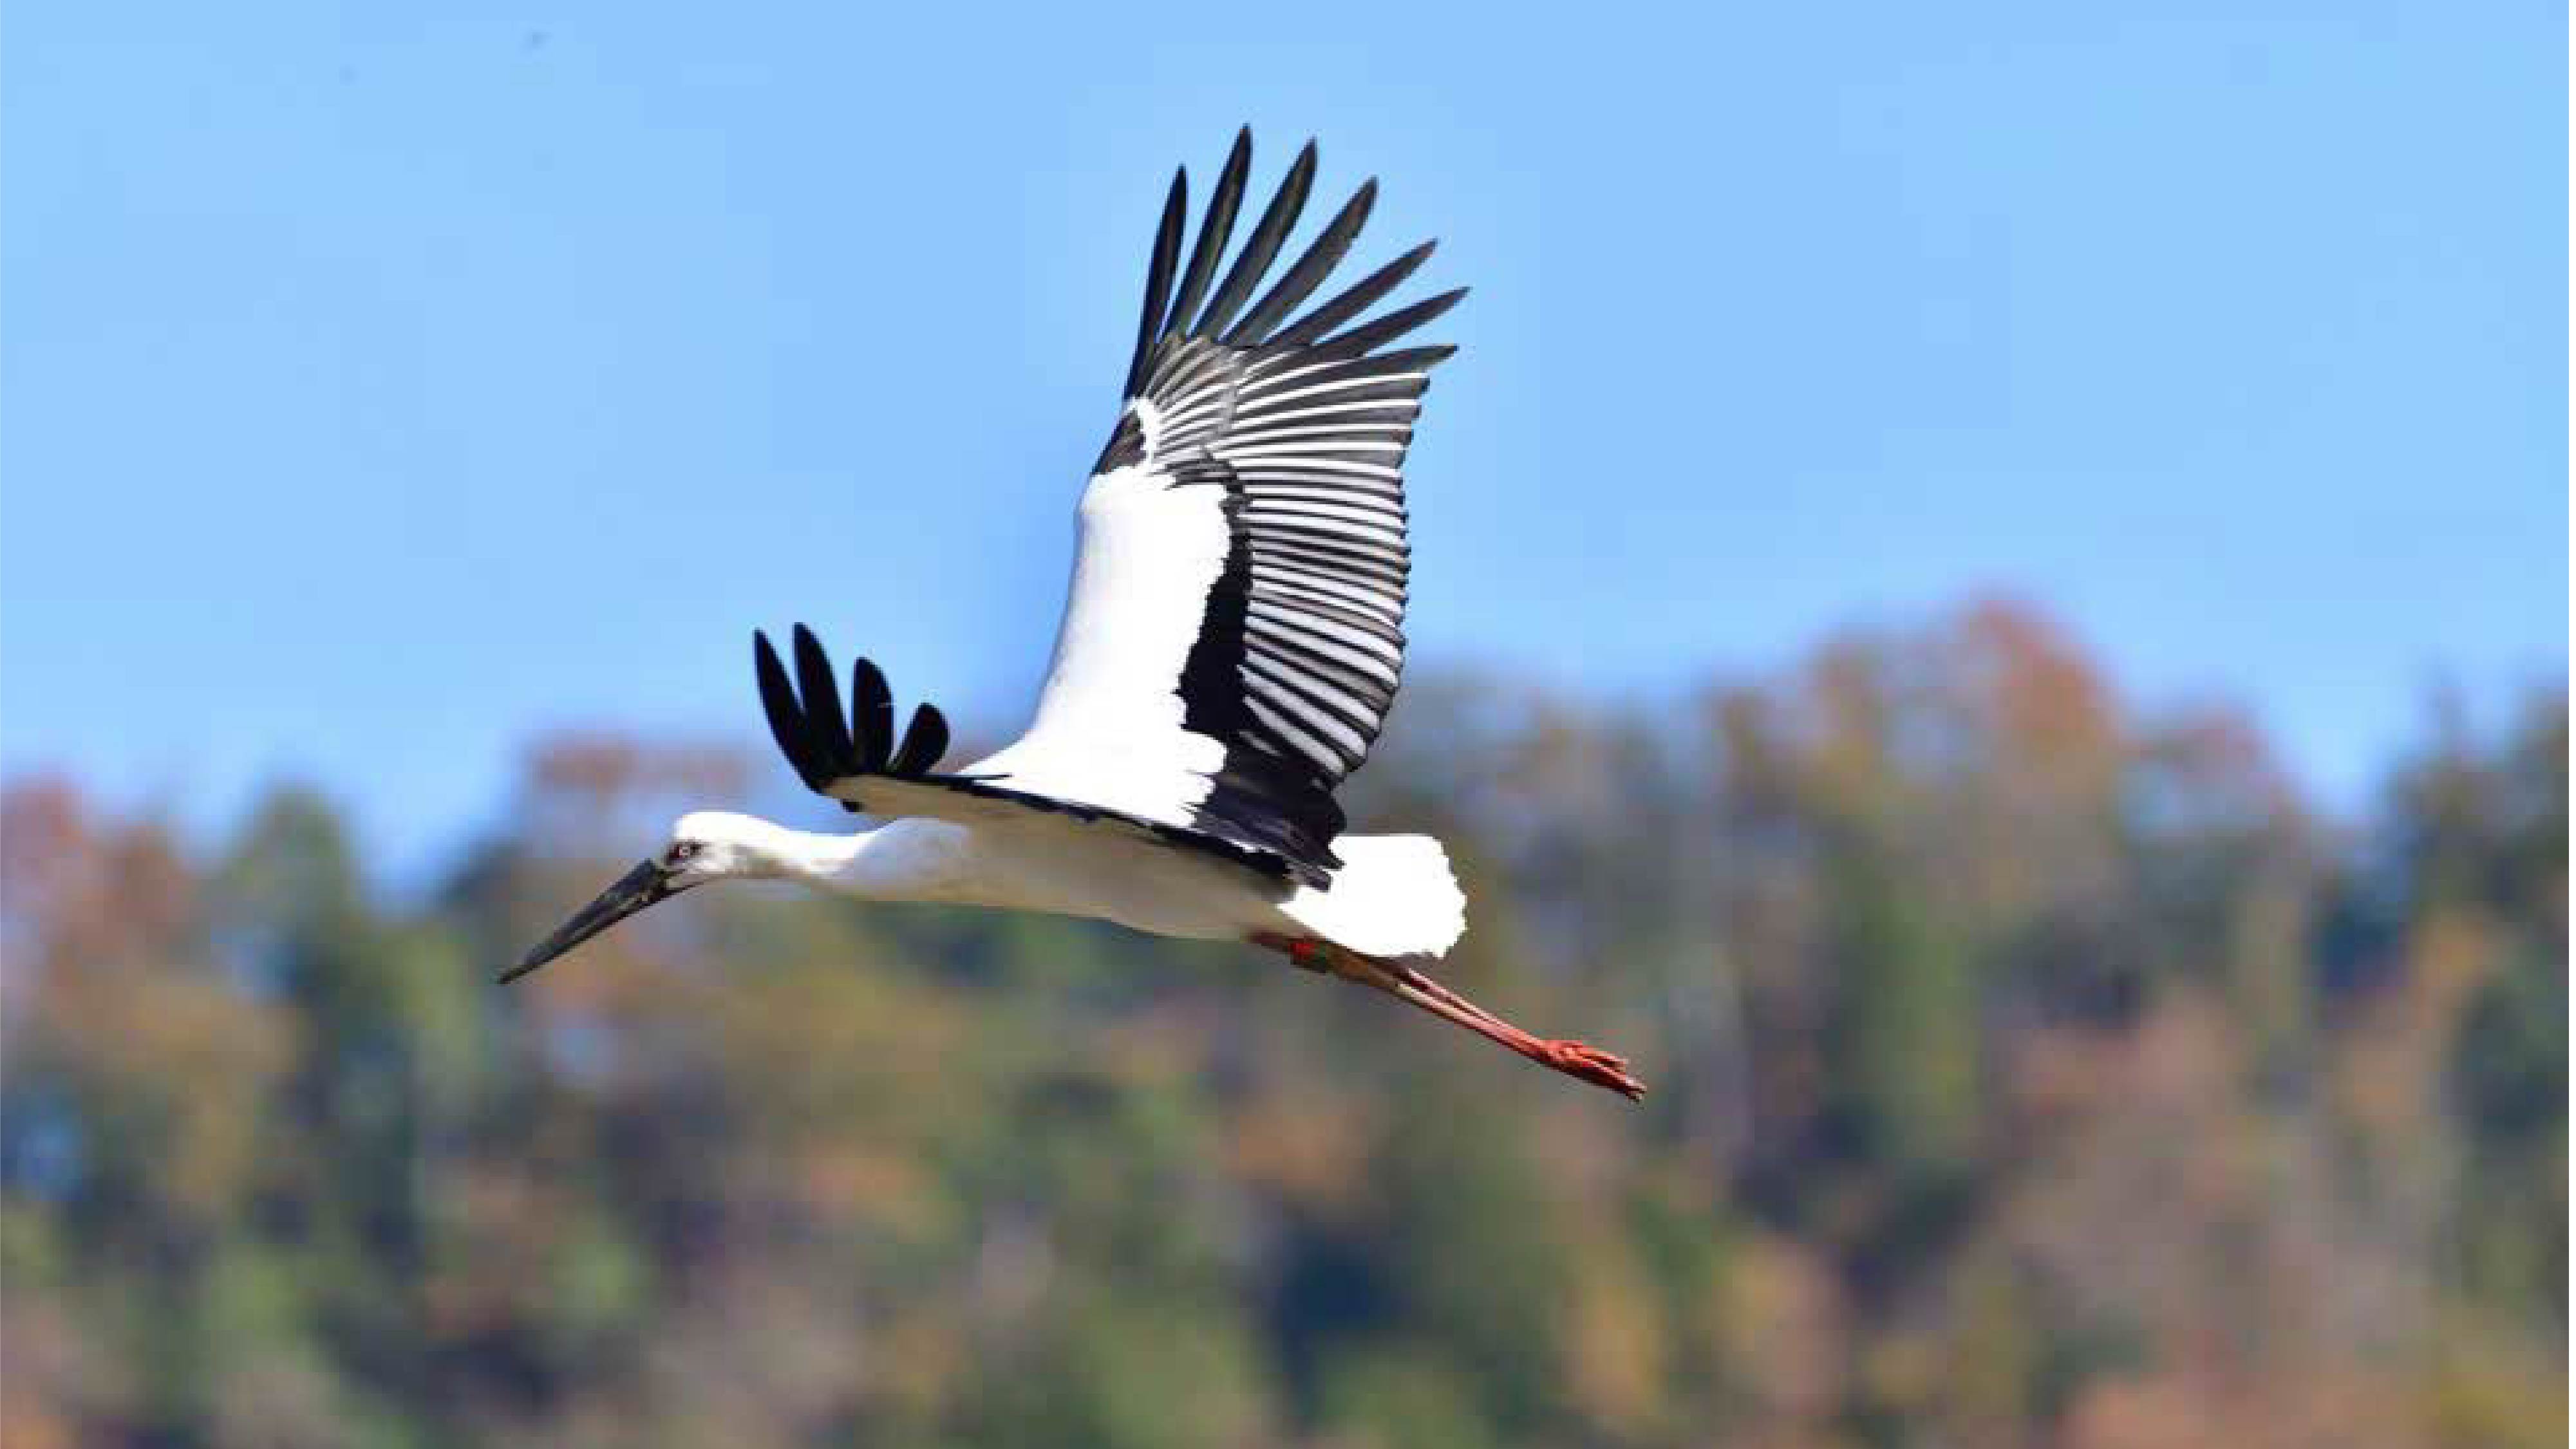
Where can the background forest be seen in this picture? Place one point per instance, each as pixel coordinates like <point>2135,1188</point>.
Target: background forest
<point>2027,1071</point>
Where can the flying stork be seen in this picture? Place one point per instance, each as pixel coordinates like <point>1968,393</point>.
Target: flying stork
<point>1230,648</point>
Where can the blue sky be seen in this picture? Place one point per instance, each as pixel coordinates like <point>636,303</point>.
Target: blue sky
<point>381,385</point>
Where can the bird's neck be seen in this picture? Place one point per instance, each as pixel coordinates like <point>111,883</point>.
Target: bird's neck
<point>903,860</point>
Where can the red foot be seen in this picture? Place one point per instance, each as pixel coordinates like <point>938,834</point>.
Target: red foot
<point>1592,1064</point>
<point>1576,1059</point>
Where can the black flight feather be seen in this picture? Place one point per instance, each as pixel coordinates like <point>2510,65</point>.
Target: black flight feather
<point>1215,230</point>
<point>924,741</point>
<point>1158,279</point>
<point>1362,295</point>
<point>805,717</point>
<point>1333,244</point>
<point>1389,327</point>
<point>786,717</point>
<point>872,702</point>
<point>1262,248</point>
<point>820,693</point>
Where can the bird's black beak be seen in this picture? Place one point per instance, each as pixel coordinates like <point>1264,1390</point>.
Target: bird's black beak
<point>638,888</point>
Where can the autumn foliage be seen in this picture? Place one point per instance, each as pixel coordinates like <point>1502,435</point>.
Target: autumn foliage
<point>2030,1071</point>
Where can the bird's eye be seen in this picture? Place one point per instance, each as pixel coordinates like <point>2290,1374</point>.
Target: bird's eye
<point>683,850</point>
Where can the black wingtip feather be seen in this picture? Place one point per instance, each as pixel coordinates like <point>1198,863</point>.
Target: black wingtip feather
<point>820,694</point>
<point>824,749</point>
<point>1158,277</point>
<point>1309,271</point>
<point>1215,230</point>
<point>924,741</point>
<point>1263,247</point>
<point>1377,333</point>
<point>872,704</point>
<point>786,717</point>
<point>1358,298</point>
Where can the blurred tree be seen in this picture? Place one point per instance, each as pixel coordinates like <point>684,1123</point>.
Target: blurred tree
<point>2029,1074</point>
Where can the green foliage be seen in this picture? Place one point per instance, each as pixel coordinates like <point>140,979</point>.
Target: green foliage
<point>2026,1074</point>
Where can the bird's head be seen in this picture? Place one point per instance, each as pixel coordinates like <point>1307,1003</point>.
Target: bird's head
<point>706,845</point>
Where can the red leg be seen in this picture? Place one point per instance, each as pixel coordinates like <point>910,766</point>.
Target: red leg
<point>1574,1058</point>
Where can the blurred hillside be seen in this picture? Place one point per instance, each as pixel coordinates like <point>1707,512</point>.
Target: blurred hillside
<point>2026,1073</point>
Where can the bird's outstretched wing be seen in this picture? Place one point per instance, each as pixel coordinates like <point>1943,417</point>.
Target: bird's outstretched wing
<point>857,759</point>
<point>1234,635</point>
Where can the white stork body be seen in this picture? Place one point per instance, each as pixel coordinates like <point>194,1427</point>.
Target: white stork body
<point>1394,895</point>
<point>1232,641</point>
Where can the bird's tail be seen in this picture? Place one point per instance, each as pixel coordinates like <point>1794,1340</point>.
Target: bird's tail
<point>1393,896</point>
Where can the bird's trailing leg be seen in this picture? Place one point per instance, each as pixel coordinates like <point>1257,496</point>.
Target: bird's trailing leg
<point>1408,984</point>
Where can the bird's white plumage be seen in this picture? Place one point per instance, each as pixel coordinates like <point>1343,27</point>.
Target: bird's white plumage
<point>1108,728</point>
<point>1394,896</point>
